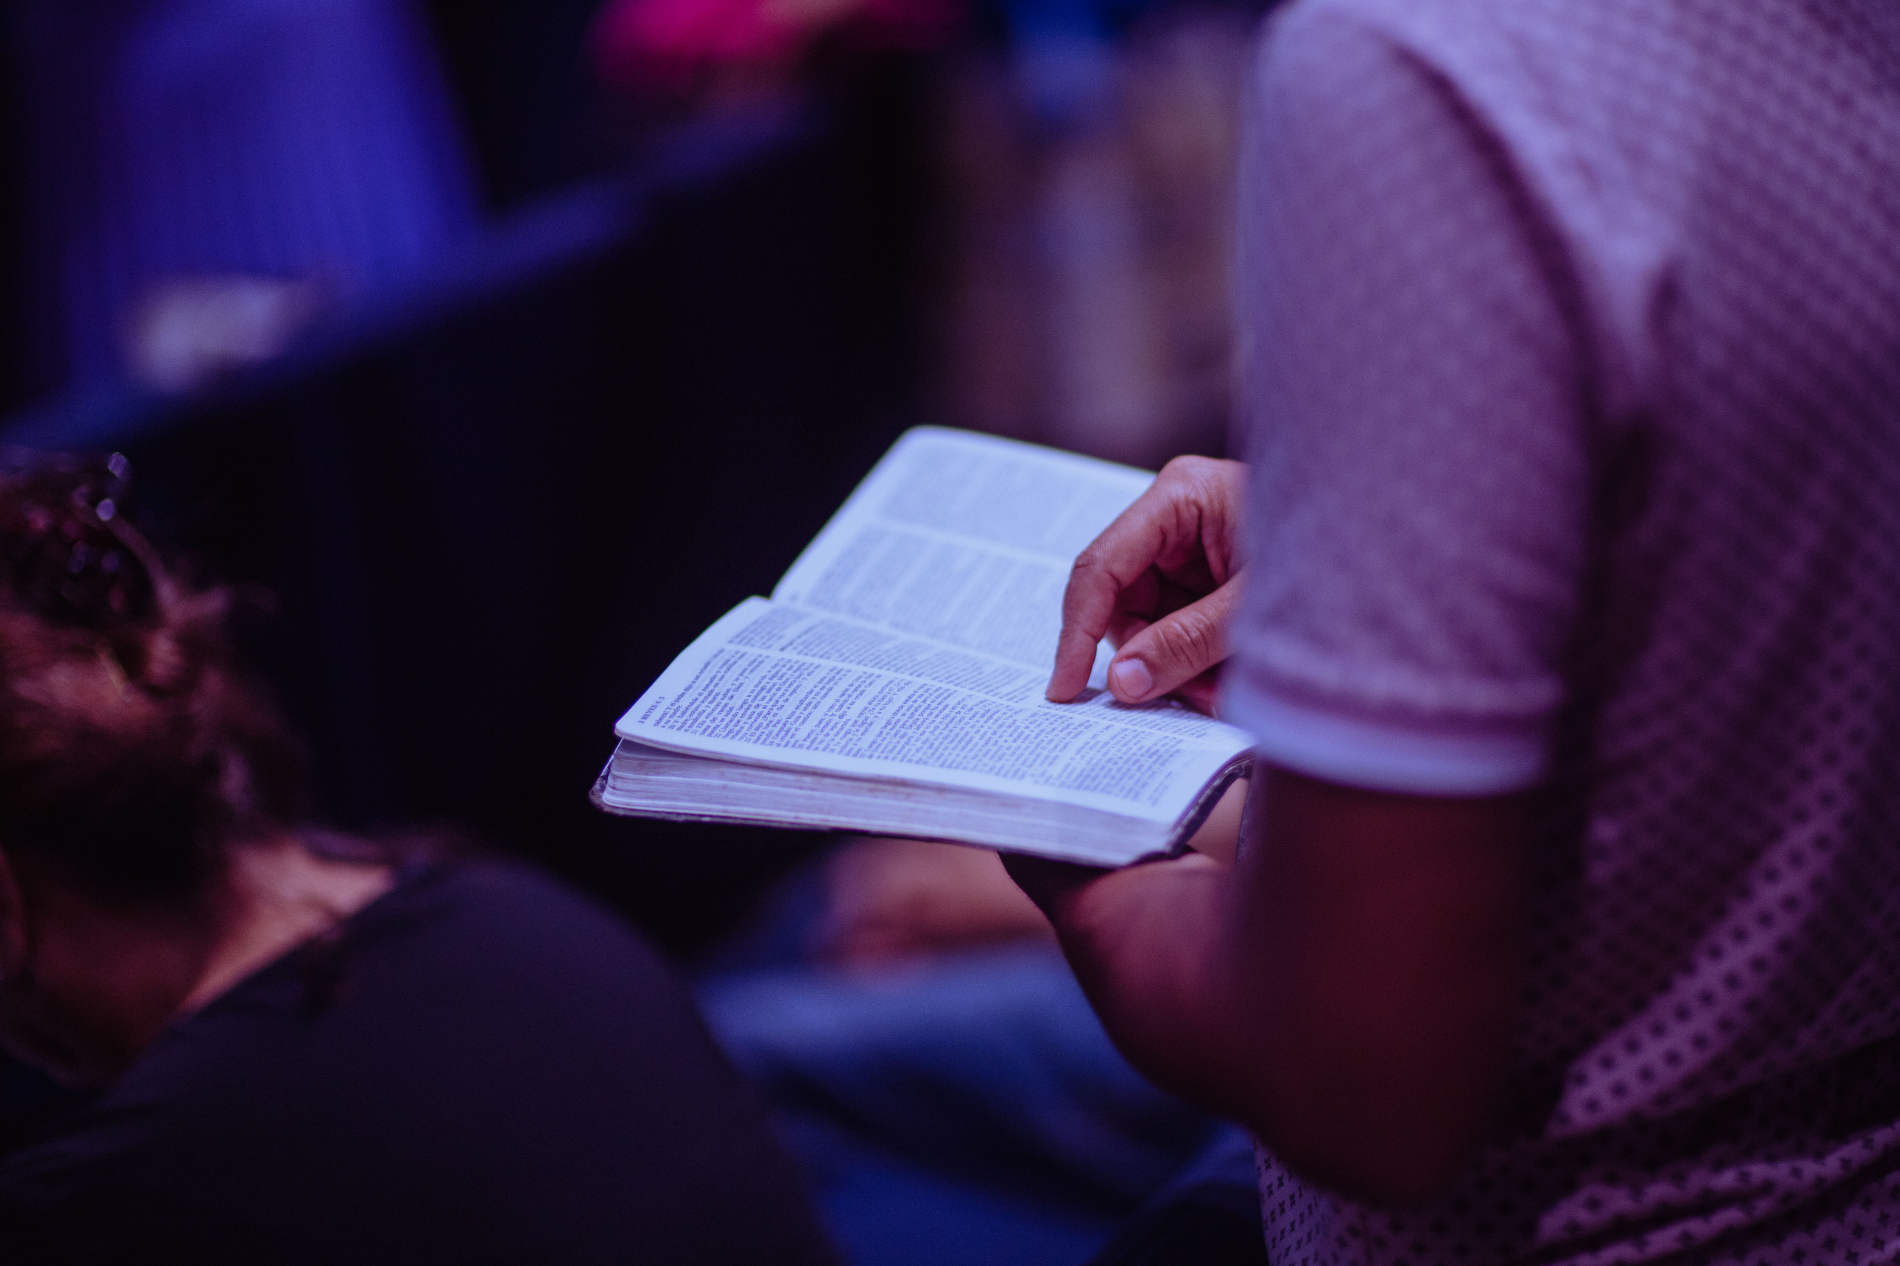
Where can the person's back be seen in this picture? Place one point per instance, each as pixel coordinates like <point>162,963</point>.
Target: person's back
<point>307,1047</point>
<point>479,1067</point>
<point>1575,408</point>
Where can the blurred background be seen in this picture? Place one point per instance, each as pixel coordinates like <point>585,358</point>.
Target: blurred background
<point>496,348</point>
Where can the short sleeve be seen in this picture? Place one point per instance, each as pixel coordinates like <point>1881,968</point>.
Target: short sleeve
<point>1415,409</point>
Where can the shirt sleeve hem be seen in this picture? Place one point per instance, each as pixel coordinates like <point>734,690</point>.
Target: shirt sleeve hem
<point>1384,757</point>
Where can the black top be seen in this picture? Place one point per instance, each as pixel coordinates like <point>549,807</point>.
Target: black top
<point>478,1067</point>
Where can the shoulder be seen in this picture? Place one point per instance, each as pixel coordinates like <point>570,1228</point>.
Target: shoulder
<point>503,950</point>
<point>1615,97</point>
<point>480,1029</point>
<point>1366,81</point>
<point>1554,78</point>
<point>500,897</point>
<point>1590,122</point>
<point>1541,35</point>
<point>456,961</point>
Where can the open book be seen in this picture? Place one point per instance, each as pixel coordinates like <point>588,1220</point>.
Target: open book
<point>893,682</point>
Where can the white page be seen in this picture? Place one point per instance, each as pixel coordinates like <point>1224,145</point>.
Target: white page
<point>964,538</point>
<point>787,686</point>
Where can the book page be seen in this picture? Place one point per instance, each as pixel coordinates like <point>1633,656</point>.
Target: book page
<point>652,782</point>
<point>783,685</point>
<point>964,538</point>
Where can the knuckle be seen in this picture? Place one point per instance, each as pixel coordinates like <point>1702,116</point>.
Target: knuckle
<point>1187,640</point>
<point>1195,481</point>
<point>1189,467</point>
<point>1087,596</point>
<point>1178,469</point>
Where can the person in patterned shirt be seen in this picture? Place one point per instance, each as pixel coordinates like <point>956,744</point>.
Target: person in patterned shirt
<point>1564,924</point>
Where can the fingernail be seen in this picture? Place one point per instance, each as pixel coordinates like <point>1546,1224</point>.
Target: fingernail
<point>1130,680</point>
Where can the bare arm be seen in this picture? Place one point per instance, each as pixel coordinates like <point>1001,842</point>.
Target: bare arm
<point>1347,989</point>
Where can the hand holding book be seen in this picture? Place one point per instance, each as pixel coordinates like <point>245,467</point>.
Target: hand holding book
<point>894,683</point>
<point>1160,584</point>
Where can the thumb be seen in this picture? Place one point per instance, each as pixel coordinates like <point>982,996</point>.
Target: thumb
<point>1175,649</point>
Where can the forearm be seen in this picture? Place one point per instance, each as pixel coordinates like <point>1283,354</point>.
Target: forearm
<point>1348,999</point>
<point>1146,944</point>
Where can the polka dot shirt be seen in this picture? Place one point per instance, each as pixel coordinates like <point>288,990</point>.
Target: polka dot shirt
<point>1571,375</point>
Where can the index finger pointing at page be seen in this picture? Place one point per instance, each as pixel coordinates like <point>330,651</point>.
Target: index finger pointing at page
<point>1102,572</point>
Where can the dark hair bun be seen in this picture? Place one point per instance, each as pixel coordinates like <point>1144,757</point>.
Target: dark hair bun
<point>135,756</point>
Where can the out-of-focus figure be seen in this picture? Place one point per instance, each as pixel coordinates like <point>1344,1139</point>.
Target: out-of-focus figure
<point>1563,928</point>
<point>305,1047</point>
<point>199,174</point>
<point>714,48</point>
<point>1079,157</point>
<point>1087,202</point>
<point>939,1073</point>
